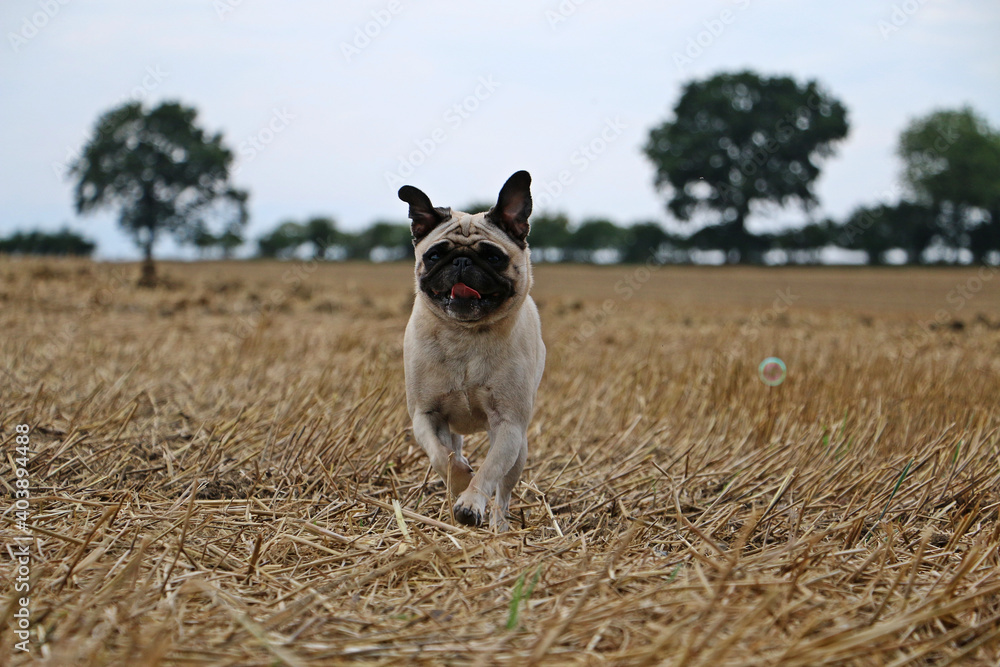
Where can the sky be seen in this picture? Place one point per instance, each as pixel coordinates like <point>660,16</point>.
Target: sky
<point>331,106</point>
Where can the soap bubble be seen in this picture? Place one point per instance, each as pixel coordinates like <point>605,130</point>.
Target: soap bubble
<point>772,371</point>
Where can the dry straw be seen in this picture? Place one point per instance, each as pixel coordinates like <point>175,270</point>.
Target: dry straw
<point>222,474</point>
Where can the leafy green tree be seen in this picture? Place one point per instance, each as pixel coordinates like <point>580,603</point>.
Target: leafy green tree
<point>203,240</point>
<point>742,138</point>
<point>877,229</point>
<point>548,232</point>
<point>952,165</point>
<point>163,174</point>
<point>321,233</point>
<point>985,237</point>
<point>391,235</point>
<point>914,228</point>
<point>63,242</point>
<point>351,243</point>
<point>283,241</point>
<point>721,237</point>
<point>593,235</point>
<point>228,241</point>
<point>642,241</point>
<point>803,244</point>
<point>395,239</point>
<point>872,229</point>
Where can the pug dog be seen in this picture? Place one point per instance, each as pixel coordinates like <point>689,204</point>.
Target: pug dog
<point>472,352</point>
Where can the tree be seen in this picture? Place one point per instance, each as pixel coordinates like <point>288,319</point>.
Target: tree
<point>228,241</point>
<point>722,237</point>
<point>642,242</point>
<point>203,240</point>
<point>321,233</point>
<point>390,234</point>
<point>872,229</point>
<point>63,242</point>
<point>876,229</point>
<point>914,228</point>
<point>396,238</point>
<point>393,239</point>
<point>593,235</point>
<point>283,241</point>
<point>737,139</point>
<point>952,165</point>
<point>803,245</point>
<point>162,172</point>
<point>549,232</point>
<point>986,237</point>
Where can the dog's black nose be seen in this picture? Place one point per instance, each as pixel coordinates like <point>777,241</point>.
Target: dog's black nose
<point>462,263</point>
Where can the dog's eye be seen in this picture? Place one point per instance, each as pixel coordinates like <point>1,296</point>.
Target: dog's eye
<point>492,255</point>
<point>434,254</point>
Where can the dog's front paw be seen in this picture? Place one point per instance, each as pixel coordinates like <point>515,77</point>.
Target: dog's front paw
<point>468,516</point>
<point>470,508</point>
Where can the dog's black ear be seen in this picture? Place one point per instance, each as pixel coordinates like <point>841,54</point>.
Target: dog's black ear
<point>424,216</point>
<point>513,207</point>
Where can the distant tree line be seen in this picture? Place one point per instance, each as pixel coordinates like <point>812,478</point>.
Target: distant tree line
<point>739,142</point>
<point>321,238</point>
<point>735,144</point>
<point>63,242</point>
<point>875,230</point>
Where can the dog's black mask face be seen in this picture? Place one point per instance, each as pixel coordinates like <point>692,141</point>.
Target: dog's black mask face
<point>466,282</point>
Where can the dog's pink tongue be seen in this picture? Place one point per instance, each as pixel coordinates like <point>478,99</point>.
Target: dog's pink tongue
<point>463,291</point>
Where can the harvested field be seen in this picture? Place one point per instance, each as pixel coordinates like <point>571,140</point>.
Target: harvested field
<point>221,472</point>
